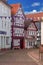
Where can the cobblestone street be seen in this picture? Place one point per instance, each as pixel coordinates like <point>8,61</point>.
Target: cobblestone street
<point>16,57</point>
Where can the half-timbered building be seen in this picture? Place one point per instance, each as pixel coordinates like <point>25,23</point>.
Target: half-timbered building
<point>31,35</point>
<point>18,26</point>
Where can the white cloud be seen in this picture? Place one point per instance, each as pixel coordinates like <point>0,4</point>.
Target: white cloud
<point>35,4</point>
<point>33,11</point>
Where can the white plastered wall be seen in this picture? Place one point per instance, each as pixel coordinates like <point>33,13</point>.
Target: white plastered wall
<point>42,33</point>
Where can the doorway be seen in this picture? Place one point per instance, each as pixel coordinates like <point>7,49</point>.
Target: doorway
<point>21,44</point>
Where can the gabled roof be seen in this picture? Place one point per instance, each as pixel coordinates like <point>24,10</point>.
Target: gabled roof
<point>5,3</point>
<point>15,8</point>
<point>28,22</point>
<point>34,25</point>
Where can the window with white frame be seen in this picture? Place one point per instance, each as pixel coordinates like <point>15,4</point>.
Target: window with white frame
<point>32,33</point>
<point>1,41</point>
<point>7,40</point>
<point>27,43</point>
<point>0,23</point>
<point>0,8</point>
<point>19,21</point>
<point>3,22</point>
<point>19,31</point>
<point>30,43</point>
<point>3,9</point>
<point>29,32</point>
<point>7,20</point>
<point>4,40</point>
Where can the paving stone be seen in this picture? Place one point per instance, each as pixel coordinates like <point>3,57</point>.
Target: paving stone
<point>17,57</point>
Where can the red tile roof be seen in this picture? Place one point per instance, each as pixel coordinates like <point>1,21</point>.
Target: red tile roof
<point>15,8</point>
<point>35,16</point>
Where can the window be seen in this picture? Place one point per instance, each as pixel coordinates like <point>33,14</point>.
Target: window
<point>5,24</point>
<point>7,40</point>
<point>27,43</point>
<point>32,33</point>
<point>2,24</point>
<point>8,24</point>
<point>29,32</point>
<point>1,41</point>
<point>4,41</point>
<point>3,9</point>
<point>30,43</point>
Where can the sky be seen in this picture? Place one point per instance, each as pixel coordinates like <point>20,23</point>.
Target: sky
<point>29,5</point>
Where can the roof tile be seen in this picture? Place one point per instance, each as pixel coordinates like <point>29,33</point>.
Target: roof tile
<point>15,8</point>
<point>35,16</point>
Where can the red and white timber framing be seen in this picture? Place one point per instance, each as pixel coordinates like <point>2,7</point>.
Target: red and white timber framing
<point>18,31</point>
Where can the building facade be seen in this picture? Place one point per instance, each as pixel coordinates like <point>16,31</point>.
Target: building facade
<point>26,37</point>
<point>18,27</point>
<point>5,25</point>
<point>31,35</point>
<point>38,24</point>
<point>38,19</point>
